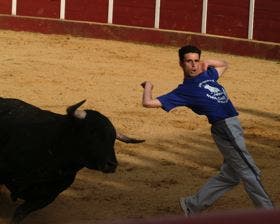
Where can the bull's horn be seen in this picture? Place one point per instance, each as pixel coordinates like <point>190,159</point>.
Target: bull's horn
<point>71,110</point>
<point>126,139</point>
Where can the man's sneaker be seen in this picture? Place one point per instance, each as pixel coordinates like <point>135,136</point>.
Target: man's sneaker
<point>187,211</point>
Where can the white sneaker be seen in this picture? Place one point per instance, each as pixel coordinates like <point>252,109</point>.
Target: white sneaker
<point>187,211</point>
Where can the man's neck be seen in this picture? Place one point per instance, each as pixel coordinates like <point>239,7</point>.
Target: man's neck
<point>190,76</point>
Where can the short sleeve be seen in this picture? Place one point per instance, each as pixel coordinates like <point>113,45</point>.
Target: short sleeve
<point>213,73</point>
<point>172,100</point>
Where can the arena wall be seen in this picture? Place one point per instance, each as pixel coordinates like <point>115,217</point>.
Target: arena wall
<point>243,27</point>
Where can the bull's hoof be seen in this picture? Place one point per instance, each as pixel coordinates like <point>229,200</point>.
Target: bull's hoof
<point>15,221</point>
<point>17,218</point>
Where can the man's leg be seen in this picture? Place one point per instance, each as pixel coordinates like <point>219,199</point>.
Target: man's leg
<point>211,191</point>
<point>240,160</point>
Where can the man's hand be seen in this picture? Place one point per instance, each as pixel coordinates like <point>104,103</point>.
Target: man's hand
<point>147,84</point>
<point>219,65</point>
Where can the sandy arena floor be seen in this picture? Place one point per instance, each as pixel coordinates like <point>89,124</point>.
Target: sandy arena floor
<point>53,72</point>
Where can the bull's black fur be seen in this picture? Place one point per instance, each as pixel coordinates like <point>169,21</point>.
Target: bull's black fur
<point>41,151</point>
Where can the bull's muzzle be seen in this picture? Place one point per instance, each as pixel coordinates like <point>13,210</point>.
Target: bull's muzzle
<point>110,167</point>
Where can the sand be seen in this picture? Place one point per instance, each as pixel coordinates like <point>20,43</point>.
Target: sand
<point>179,155</point>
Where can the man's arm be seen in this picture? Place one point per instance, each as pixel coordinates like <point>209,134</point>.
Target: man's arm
<point>220,65</point>
<point>147,99</point>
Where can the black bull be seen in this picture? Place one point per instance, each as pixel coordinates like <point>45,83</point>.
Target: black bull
<point>41,151</point>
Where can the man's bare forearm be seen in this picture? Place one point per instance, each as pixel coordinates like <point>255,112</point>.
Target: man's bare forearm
<point>147,98</point>
<point>220,65</point>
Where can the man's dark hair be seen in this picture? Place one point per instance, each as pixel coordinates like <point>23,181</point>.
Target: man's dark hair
<point>188,49</point>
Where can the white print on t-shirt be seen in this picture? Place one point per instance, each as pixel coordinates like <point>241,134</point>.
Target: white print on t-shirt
<point>218,94</point>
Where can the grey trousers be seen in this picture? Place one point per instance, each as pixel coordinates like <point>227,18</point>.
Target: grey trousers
<point>238,166</point>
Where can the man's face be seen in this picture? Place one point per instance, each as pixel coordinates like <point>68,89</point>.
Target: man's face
<point>190,64</point>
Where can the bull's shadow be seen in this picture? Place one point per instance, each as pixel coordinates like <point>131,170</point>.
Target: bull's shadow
<point>259,113</point>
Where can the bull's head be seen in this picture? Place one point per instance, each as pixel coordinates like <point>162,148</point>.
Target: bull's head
<point>102,131</point>
<point>98,136</point>
<point>81,114</point>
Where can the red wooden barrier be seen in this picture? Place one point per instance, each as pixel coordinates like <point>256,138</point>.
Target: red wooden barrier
<point>228,18</point>
<point>267,20</point>
<point>6,6</point>
<point>225,18</point>
<point>144,35</point>
<point>87,10</point>
<point>181,15</point>
<point>40,8</point>
<point>134,12</point>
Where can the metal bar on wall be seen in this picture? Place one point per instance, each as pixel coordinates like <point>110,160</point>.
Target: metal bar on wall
<point>157,14</point>
<point>251,19</point>
<point>110,11</point>
<point>62,9</point>
<point>14,7</point>
<point>204,16</point>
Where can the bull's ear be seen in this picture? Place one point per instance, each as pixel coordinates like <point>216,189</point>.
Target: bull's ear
<point>71,110</point>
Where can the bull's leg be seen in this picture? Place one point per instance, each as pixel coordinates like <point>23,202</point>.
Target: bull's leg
<point>29,206</point>
<point>40,196</point>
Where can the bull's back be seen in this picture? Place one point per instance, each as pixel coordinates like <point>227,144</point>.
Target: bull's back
<point>32,141</point>
<point>18,111</point>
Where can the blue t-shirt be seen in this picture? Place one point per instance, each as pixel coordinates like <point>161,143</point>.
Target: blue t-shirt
<point>202,94</point>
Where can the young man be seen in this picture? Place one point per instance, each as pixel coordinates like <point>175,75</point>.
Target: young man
<point>201,92</point>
